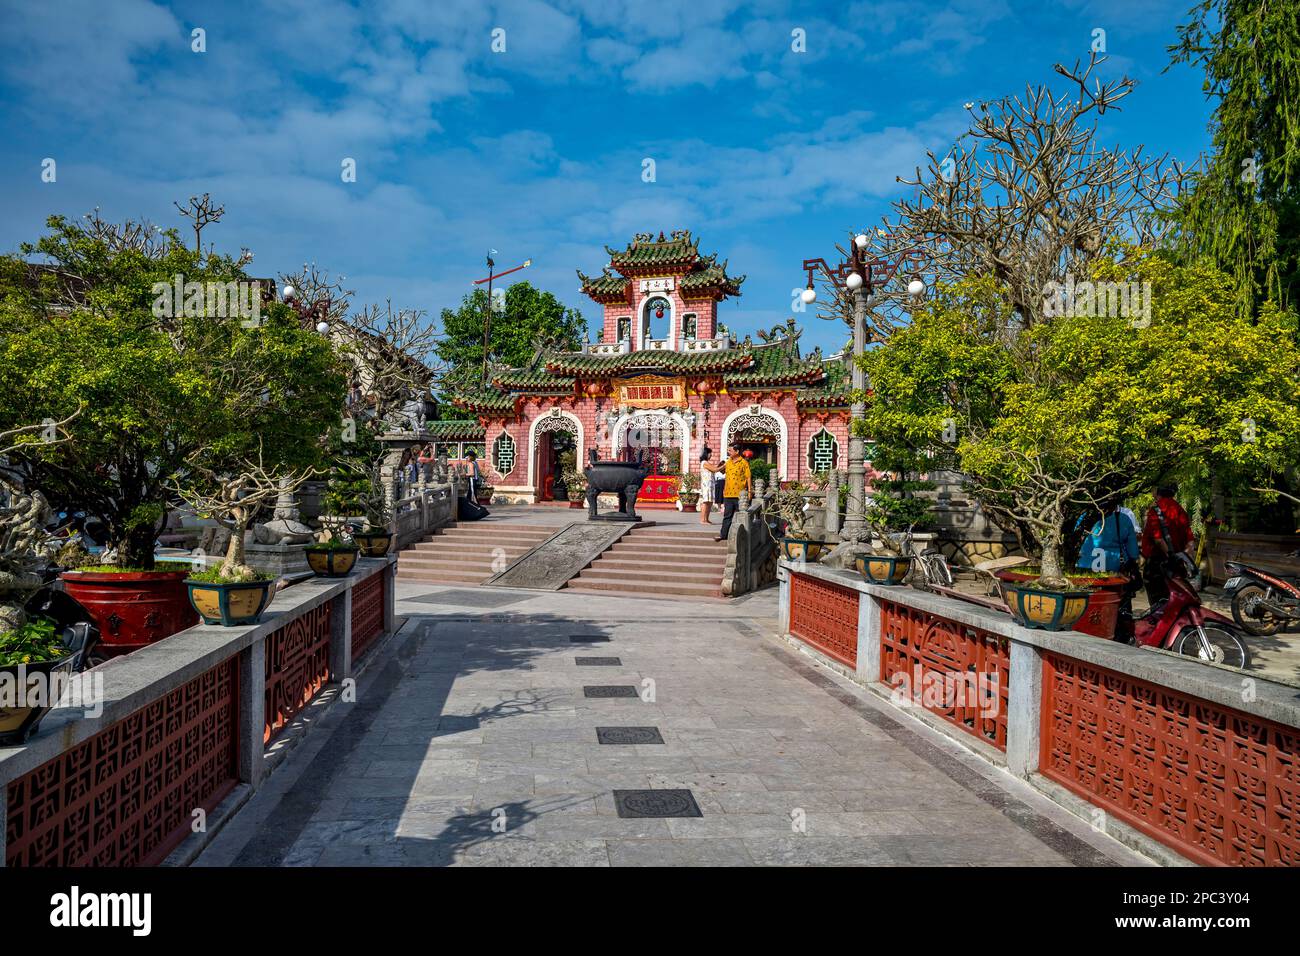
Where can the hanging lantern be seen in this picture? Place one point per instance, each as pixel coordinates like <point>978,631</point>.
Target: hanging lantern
<point>659,311</point>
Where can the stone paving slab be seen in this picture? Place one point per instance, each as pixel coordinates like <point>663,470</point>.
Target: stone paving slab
<point>471,744</point>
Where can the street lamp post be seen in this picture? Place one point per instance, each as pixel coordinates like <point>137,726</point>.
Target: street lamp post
<point>487,311</point>
<point>861,277</point>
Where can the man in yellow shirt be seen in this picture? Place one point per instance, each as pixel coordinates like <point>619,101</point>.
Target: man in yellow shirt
<point>738,480</point>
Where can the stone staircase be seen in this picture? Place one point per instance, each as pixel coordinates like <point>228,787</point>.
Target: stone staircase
<point>658,562</point>
<point>469,553</point>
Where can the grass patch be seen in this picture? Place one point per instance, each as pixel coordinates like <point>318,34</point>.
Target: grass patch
<point>34,643</point>
<point>118,569</point>
<point>214,576</point>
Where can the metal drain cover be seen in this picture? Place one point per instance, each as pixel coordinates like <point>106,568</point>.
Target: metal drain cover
<point>629,735</point>
<point>656,803</point>
<point>598,661</point>
<point>610,690</point>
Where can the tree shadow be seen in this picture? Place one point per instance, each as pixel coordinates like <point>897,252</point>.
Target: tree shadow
<point>367,782</point>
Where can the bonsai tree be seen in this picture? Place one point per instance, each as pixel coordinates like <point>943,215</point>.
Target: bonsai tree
<point>233,498</point>
<point>23,516</point>
<point>160,376</point>
<point>1043,422</point>
<point>787,508</point>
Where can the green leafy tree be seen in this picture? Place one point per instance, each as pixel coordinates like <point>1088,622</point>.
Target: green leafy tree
<point>1045,422</point>
<point>531,316</point>
<point>159,391</point>
<point>1244,207</point>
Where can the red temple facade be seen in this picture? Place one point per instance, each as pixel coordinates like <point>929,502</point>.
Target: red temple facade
<point>665,379</point>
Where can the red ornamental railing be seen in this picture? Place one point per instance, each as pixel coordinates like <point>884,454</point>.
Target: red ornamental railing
<point>367,613</point>
<point>297,666</point>
<point>1217,785</point>
<point>128,795</point>
<point>959,673</point>
<point>825,616</point>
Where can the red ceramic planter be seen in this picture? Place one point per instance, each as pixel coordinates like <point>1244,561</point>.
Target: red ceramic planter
<point>132,610</point>
<point>1102,611</point>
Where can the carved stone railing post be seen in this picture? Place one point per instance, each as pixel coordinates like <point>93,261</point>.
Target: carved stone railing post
<point>831,508</point>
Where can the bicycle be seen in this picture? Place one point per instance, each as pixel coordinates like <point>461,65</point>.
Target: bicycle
<point>931,564</point>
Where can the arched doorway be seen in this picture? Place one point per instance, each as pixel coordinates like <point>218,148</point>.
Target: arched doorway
<point>664,439</point>
<point>760,435</point>
<point>552,436</point>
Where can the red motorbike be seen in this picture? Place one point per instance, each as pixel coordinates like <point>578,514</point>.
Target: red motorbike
<point>1181,623</point>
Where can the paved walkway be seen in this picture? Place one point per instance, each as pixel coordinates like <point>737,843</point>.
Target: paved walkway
<point>472,743</point>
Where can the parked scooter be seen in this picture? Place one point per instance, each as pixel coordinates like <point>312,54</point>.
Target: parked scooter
<point>1182,624</point>
<point>80,636</point>
<point>1262,602</point>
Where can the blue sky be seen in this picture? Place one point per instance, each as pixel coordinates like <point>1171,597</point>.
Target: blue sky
<point>769,155</point>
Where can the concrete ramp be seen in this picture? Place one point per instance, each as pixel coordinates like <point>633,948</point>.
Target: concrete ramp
<point>549,565</point>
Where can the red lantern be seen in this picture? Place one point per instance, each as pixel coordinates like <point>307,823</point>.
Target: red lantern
<point>659,312</point>
<point>747,453</point>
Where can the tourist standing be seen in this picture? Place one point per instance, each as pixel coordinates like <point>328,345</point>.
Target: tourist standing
<point>1165,537</point>
<point>1111,544</point>
<point>707,485</point>
<point>738,479</point>
<point>471,459</point>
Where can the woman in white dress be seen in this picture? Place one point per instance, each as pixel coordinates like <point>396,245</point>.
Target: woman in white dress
<point>707,470</point>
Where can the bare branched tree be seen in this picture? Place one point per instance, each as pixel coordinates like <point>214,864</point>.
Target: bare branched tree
<point>24,437</point>
<point>1028,196</point>
<point>317,296</point>
<point>201,212</point>
<point>233,498</point>
<point>394,353</point>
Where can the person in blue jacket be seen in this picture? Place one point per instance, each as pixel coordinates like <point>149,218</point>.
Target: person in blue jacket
<point>1111,544</point>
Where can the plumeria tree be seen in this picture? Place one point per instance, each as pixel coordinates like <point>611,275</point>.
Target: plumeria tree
<point>1043,421</point>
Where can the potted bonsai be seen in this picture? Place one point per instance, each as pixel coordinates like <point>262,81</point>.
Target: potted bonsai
<point>374,538</point>
<point>334,556</point>
<point>789,509</point>
<point>894,504</point>
<point>157,382</point>
<point>233,593</point>
<point>575,485</point>
<point>29,645</point>
<point>688,492</point>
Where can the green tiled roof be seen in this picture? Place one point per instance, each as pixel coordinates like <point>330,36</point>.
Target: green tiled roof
<point>605,287</point>
<point>822,398</point>
<point>709,278</point>
<point>576,363</point>
<point>484,402</point>
<point>530,380</point>
<point>447,430</point>
<point>702,275</point>
<point>774,362</point>
<point>646,252</point>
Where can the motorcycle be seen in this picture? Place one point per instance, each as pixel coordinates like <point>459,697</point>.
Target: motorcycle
<point>80,635</point>
<point>1181,623</point>
<point>1262,602</point>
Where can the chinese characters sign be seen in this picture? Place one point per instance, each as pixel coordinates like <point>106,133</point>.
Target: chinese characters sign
<point>650,391</point>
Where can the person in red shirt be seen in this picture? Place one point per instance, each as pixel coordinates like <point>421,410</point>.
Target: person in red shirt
<point>1160,543</point>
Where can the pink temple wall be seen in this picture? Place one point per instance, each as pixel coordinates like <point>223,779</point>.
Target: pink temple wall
<point>591,413</point>
<point>706,311</point>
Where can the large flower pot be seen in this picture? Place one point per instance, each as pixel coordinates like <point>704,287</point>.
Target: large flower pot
<point>331,562</point>
<point>231,604</point>
<point>1105,593</point>
<point>373,544</point>
<point>1045,610</point>
<point>801,549</point>
<point>483,494</point>
<point>133,609</point>
<point>882,569</point>
<point>17,723</point>
<point>689,500</point>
